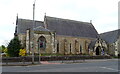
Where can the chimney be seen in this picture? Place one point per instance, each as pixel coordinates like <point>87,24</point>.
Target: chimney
<point>90,21</point>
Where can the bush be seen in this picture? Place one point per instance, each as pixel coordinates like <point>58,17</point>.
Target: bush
<point>13,47</point>
<point>22,52</point>
<point>2,48</point>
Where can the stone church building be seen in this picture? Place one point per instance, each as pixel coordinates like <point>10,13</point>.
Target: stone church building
<point>112,39</point>
<point>62,36</point>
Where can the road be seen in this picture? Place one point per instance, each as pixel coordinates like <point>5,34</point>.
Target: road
<point>94,66</point>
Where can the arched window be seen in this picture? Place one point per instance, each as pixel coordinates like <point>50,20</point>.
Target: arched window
<point>80,49</point>
<point>42,42</point>
<point>70,49</point>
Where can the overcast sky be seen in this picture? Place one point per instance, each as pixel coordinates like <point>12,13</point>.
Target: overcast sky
<point>103,13</point>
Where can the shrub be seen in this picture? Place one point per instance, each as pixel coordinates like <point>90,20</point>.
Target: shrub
<point>13,47</point>
<point>2,48</point>
<point>22,52</point>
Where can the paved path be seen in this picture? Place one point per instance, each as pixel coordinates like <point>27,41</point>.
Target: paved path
<point>53,62</point>
<point>88,66</point>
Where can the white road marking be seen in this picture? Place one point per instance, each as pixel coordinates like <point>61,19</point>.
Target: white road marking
<point>109,68</point>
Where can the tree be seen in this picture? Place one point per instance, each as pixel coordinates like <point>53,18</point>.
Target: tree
<point>13,47</point>
<point>3,48</point>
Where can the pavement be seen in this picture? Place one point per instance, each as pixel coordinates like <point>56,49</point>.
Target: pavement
<point>100,65</point>
<point>53,62</point>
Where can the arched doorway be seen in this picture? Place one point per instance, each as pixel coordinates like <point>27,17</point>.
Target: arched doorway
<point>98,50</point>
<point>42,43</point>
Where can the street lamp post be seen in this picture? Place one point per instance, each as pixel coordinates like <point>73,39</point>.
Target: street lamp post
<point>33,33</point>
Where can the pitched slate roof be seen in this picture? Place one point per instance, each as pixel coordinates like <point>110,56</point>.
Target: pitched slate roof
<point>24,24</point>
<point>70,27</point>
<point>110,37</point>
<point>92,44</point>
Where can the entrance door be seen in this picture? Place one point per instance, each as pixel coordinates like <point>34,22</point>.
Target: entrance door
<point>98,50</point>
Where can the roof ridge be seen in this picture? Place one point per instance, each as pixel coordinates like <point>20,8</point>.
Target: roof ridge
<point>110,31</point>
<point>68,19</point>
<point>29,20</point>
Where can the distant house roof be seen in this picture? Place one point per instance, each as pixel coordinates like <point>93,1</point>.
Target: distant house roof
<point>24,24</point>
<point>110,37</point>
<point>71,28</point>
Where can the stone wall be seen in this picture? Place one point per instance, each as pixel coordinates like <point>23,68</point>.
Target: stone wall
<point>49,43</point>
<point>118,45</point>
<point>111,49</point>
<point>22,38</point>
<point>67,44</point>
<point>103,47</point>
<point>114,48</point>
<point>71,45</point>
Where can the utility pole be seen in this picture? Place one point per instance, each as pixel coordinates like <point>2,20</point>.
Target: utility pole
<point>33,33</point>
